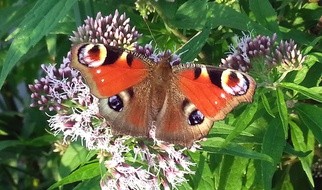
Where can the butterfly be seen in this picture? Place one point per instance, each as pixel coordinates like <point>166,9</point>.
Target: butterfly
<point>180,101</point>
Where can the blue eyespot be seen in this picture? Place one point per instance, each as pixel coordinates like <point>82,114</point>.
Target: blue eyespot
<point>195,118</point>
<point>115,103</point>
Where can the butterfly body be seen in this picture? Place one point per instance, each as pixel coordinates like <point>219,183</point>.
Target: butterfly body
<point>179,102</point>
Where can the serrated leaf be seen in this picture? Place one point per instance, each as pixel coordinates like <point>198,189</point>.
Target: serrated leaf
<point>282,109</point>
<point>311,117</point>
<point>273,145</point>
<point>303,90</point>
<point>39,21</point>
<point>85,172</point>
<point>300,144</point>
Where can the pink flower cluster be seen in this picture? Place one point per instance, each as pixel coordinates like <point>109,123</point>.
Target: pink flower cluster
<point>283,54</point>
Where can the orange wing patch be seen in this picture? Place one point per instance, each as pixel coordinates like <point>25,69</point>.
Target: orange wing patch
<point>215,91</point>
<point>206,96</point>
<point>107,71</point>
<point>112,79</point>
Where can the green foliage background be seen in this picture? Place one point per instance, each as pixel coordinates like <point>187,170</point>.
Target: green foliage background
<point>263,145</point>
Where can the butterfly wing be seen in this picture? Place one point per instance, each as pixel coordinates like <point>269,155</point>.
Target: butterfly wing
<point>179,121</point>
<point>129,112</point>
<point>113,75</point>
<point>215,91</point>
<point>108,70</point>
<point>199,96</point>
<point>181,102</point>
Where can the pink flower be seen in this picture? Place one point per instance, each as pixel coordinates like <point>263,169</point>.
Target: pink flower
<point>284,53</point>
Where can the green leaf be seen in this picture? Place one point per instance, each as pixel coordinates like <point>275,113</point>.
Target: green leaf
<point>312,44</point>
<point>243,120</point>
<point>51,41</point>
<point>231,172</point>
<point>317,89</point>
<point>9,143</point>
<point>224,171</point>
<point>215,145</point>
<point>38,22</point>
<point>91,184</point>
<point>285,182</point>
<point>203,177</point>
<point>311,117</point>
<point>191,49</point>
<point>88,171</point>
<point>290,150</point>
<point>43,140</point>
<point>191,15</point>
<point>301,145</point>
<point>221,15</point>
<point>266,105</point>
<point>251,177</point>
<point>299,76</point>
<point>74,156</point>
<point>282,110</point>
<point>273,145</point>
<point>221,128</point>
<point>184,186</point>
<point>303,90</point>
<point>264,14</point>
<point>167,10</point>
<point>11,16</point>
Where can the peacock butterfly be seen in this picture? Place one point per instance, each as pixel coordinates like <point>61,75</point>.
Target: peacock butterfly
<point>181,101</point>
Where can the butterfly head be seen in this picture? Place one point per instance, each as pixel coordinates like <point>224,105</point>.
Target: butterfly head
<point>166,57</point>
